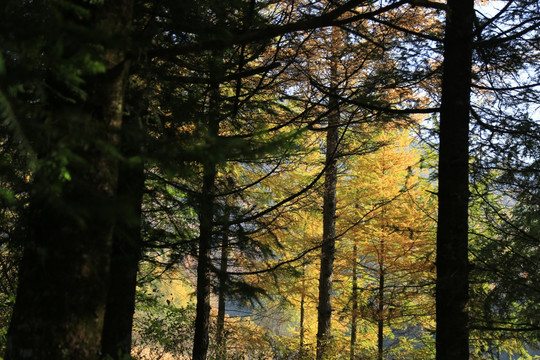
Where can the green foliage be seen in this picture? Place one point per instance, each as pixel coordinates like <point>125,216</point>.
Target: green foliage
<point>160,327</point>
<point>8,283</point>
<point>505,283</point>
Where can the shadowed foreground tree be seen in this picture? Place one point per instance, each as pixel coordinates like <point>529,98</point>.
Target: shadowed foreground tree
<point>452,333</point>
<point>127,241</point>
<point>78,97</point>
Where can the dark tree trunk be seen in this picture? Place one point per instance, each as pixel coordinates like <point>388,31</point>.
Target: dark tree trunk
<point>380,316</point>
<point>221,341</point>
<point>303,311</point>
<point>380,300</point>
<point>206,215</point>
<point>126,251</point>
<point>62,292</point>
<point>302,320</point>
<point>202,320</point>
<point>354,301</point>
<point>328,248</point>
<point>206,211</point>
<point>452,333</point>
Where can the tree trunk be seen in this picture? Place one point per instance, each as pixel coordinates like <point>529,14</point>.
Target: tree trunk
<point>354,301</point>
<point>303,311</point>
<point>206,211</point>
<point>452,333</point>
<point>380,316</point>
<point>220,331</point>
<point>328,248</point>
<point>206,215</point>
<point>62,292</point>
<point>126,250</point>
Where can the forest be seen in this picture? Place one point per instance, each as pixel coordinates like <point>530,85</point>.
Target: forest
<point>269,179</point>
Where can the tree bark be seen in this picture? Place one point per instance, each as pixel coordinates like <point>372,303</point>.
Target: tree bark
<point>206,211</point>
<point>127,246</point>
<point>380,316</point>
<point>62,292</point>
<point>303,311</point>
<point>328,248</point>
<point>354,301</point>
<point>206,216</point>
<point>202,319</point>
<point>452,333</point>
<point>221,341</point>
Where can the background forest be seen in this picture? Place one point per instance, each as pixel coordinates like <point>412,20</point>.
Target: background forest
<point>269,179</point>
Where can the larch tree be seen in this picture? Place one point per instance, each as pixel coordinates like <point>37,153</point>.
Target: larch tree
<point>349,64</point>
<point>388,239</point>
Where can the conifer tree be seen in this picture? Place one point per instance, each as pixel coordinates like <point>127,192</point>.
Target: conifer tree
<point>388,240</point>
<point>452,291</point>
<point>78,89</point>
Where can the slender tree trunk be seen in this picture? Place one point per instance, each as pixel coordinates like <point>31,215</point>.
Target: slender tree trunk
<point>380,317</point>
<point>220,332</point>
<point>206,212</point>
<point>303,311</point>
<point>329,212</point>
<point>126,253</point>
<point>452,333</point>
<point>62,292</point>
<point>206,215</point>
<point>302,320</point>
<point>354,301</point>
